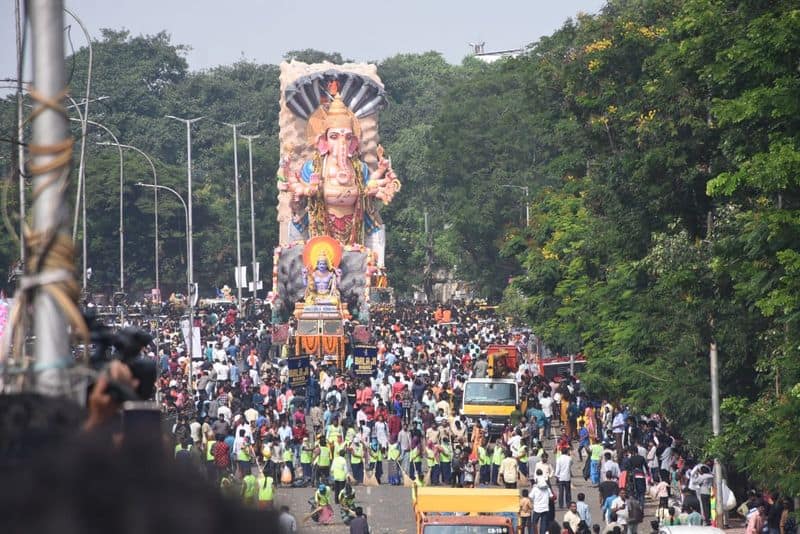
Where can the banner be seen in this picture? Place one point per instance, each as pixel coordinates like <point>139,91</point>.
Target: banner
<point>197,350</point>
<point>365,360</point>
<point>4,310</point>
<point>299,368</point>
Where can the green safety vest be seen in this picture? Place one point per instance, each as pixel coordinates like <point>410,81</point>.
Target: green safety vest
<point>305,455</point>
<point>288,456</point>
<point>324,459</point>
<point>179,448</point>
<point>375,456</point>
<point>358,454</point>
<point>249,489</point>
<point>523,454</point>
<point>415,455</point>
<point>348,437</point>
<point>430,455</point>
<point>346,501</point>
<point>337,448</point>
<point>266,491</point>
<point>323,499</point>
<point>333,433</point>
<point>483,458</point>
<point>394,452</point>
<point>243,455</point>
<point>446,455</point>
<point>209,456</point>
<point>596,451</point>
<point>497,455</point>
<point>339,469</point>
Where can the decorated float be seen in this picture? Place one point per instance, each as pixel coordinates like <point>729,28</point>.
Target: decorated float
<point>332,178</point>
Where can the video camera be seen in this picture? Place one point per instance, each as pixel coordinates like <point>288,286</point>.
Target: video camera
<point>127,344</point>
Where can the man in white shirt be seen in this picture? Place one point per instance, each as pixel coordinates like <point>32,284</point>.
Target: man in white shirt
<point>544,466</point>
<point>546,402</point>
<point>572,516</point>
<point>563,475</point>
<point>222,371</point>
<point>610,465</point>
<point>618,427</point>
<point>619,506</point>
<point>509,469</point>
<point>541,503</point>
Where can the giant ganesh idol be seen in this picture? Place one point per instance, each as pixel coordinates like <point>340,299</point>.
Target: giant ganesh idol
<point>333,177</point>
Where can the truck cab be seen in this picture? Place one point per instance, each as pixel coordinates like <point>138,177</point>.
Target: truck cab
<point>441,510</point>
<point>495,398</point>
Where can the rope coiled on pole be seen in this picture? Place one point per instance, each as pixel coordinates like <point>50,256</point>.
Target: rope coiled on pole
<point>50,265</point>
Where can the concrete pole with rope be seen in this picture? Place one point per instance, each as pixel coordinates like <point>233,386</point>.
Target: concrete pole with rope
<point>49,270</point>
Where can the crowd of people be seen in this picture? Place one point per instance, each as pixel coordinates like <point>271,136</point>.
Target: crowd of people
<point>238,420</point>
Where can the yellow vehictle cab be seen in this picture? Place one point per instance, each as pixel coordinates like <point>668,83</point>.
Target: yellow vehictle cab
<point>498,509</point>
<point>495,398</point>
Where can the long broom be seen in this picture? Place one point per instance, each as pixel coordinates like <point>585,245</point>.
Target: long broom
<point>370,480</point>
<point>408,482</point>
<point>310,514</point>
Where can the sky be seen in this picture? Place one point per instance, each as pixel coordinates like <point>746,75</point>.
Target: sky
<point>223,32</point>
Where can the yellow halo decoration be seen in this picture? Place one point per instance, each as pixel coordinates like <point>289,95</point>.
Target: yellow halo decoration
<point>322,245</point>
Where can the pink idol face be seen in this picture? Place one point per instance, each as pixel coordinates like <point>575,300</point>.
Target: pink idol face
<point>337,141</point>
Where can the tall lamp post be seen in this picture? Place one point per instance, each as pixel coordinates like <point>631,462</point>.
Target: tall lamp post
<point>190,250</point>
<point>155,199</point>
<point>252,210</point>
<point>189,271</point>
<point>80,195</point>
<point>84,122</point>
<point>527,206</point>
<point>239,277</point>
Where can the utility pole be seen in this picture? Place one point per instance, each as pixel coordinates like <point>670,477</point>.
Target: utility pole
<point>20,134</point>
<point>155,199</point>
<point>713,363</point>
<point>190,267</point>
<point>252,212</point>
<point>239,275</point>
<point>427,274</point>
<point>51,260</point>
<point>84,124</point>
<point>525,189</point>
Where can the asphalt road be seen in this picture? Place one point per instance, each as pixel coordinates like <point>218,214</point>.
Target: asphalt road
<point>388,508</point>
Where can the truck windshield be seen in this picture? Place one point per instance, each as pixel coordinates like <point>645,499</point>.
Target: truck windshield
<point>465,529</point>
<point>495,393</point>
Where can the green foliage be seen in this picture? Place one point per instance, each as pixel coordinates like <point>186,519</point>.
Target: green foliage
<point>667,112</point>
<point>310,55</point>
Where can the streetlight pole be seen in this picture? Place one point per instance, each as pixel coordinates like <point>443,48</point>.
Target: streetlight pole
<point>189,274</point>
<point>155,200</point>
<point>84,122</point>
<point>252,211</point>
<point>190,246</point>
<point>239,278</point>
<point>121,212</point>
<point>80,194</point>
<point>20,134</point>
<point>527,205</point>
